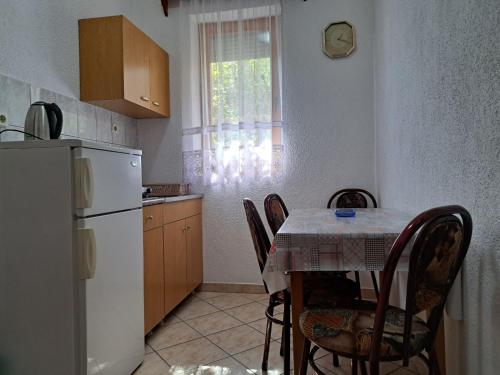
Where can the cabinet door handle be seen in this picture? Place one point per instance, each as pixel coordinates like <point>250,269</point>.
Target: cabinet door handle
<point>145,98</point>
<point>156,104</point>
<point>150,217</point>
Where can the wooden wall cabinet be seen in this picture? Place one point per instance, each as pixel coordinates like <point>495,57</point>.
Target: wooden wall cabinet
<point>173,257</point>
<point>122,69</point>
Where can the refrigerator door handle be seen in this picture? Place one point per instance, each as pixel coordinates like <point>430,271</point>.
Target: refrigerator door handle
<point>87,249</point>
<point>84,180</point>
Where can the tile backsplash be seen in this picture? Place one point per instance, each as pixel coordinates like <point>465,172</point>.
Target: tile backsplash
<point>80,120</point>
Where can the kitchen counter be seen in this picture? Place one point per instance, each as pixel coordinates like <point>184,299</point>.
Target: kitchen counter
<point>159,200</point>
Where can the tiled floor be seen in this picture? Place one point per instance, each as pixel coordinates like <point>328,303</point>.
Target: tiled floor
<point>223,334</point>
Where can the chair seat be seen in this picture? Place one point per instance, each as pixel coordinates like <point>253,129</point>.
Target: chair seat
<point>348,330</point>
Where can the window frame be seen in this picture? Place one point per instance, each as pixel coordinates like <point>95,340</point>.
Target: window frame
<point>208,30</point>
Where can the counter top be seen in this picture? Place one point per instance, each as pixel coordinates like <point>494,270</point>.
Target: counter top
<point>67,143</point>
<point>159,200</point>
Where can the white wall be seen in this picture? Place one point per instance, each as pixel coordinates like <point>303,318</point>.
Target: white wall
<point>39,61</point>
<point>328,134</point>
<point>39,39</point>
<point>437,95</point>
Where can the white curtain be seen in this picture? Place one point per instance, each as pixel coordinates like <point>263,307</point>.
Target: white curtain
<point>231,90</point>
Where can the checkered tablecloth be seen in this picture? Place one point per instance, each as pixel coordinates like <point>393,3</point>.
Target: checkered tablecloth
<point>317,240</point>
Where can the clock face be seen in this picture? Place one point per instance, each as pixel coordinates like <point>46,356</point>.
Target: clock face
<point>339,39</point>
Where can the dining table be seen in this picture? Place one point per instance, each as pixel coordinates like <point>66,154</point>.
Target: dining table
<point>315,239</point>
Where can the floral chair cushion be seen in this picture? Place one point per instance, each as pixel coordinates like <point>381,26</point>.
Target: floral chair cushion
<point>437,263</point>
<point>349,331</point>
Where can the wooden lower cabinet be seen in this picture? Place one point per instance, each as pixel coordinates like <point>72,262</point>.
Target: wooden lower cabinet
<point>153,278</point>
<point>194,252</point>
<point>175,263</point>
<point>173,257</point>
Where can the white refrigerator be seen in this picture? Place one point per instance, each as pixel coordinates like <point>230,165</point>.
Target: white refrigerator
<point>71,259</point>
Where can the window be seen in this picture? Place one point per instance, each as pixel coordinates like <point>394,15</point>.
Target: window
<point>244,53</point>
<point>240,99</point>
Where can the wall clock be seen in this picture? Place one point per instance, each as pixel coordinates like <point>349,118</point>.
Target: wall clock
<point>339,39</point>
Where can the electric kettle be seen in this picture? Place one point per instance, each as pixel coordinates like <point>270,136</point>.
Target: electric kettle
<point>43,120</point>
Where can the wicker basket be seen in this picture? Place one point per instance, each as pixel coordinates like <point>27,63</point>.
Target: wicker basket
<point>168,190</point>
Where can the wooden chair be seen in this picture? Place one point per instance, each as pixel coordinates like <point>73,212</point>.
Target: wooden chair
<point>315,295</point>
<point>262,246</point>
<point>276,213</point>
<point>364,331</point>
<point>351,198</point>
<point>355,198</point>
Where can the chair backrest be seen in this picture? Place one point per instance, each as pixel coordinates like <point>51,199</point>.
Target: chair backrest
<point>439,240</point>
<point>351,198</point>
<point>258,231</point>
<point>276,212</point>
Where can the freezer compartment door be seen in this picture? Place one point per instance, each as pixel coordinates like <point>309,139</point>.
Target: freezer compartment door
<point>113,292</point>
<point>105,181</point>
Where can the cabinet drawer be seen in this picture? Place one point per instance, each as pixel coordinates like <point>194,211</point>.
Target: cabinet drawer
<point>179,210</point>
<point>152,216</point>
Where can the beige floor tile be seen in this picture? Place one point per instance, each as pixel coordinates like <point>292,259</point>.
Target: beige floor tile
<point>193,309</point>
<point>213,323</point>
<point>400,371</point>
<point>326,362</point>
<point>208,295</point>
<point>237,339</point>
<point>310,371</point>
<point>277,310</point>
<point>171,319</point>
<point>260,325</point>
<point>388,367</point>
<point>248,313</point>
<point>252,359</point>
<point>147,349</point>
<point>227,366</point>
<point>417,366</point>
<point>193,353</point>
<point>172,335</point>
<point>256,296</point>
<point>183,370</point>
<point>152,365</point>
<point>229,300</point>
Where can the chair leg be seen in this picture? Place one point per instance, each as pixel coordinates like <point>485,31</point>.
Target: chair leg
<point>267,341</point>
<point>304,359</point>
<point>375,284</point>
<point>336,362</point>
<point>358,283</point>
<point>286,336</point>
<point>362,364</point>
<point>282,346</point>
<point>434,364</point>
<point>354,370</point>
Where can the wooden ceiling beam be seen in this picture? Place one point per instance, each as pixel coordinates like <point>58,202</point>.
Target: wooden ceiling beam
<point>164,4</point>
